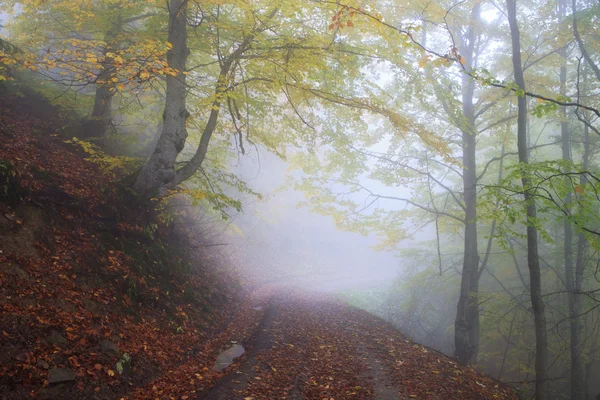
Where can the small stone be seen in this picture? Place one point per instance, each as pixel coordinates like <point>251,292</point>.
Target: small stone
<point>56,375</point>
<point>109,348</point>
<point>43,364</point>
<point>57,339</point>
<point>226,357</point>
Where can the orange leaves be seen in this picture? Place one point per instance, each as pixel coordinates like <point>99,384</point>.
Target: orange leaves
<point>453,53</point>
<point>343,18</point>
<point>78,60</point>
<point>74,361</point>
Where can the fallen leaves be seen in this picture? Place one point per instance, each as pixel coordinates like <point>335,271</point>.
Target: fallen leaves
<point>86,288</point>
<point>92,292</point>
<point>332,351</point>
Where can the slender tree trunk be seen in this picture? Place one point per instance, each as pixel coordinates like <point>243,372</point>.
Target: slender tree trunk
<point>97,125</point>
<point>512,323</point>
<point>577,371</point>
<point>535,280</point>
<point>158,174</point>
<point>466,327</point>
<point>575,323</point>
<point>577,379</point>
<point>579,40</point>
<point>101,117</point>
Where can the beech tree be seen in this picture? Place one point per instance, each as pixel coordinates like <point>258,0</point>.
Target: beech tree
<point>454,120</point>
<point>106,46</point>
<point>260,51</point>
<point>368,208</point>
<point>533,261</point>
<point>160,168</point>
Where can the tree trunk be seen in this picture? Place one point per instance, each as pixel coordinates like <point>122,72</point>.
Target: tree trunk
<point>577,379</point>
<point>535,280</point>
<point>586,55</point>
<point>158,174</point>
<point>100,119</point>
<point>577,370</point>
<point>466,326</point>
<point>97,125</point>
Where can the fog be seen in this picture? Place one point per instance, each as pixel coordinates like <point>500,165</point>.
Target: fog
<point>289,244</point>
<point>432,163</point>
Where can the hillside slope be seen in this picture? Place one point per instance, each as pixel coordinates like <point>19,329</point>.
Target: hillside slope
<point>95,304</point>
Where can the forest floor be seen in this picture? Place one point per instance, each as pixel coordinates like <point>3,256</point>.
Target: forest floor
<point>94,305</point>
<point>311,346</point>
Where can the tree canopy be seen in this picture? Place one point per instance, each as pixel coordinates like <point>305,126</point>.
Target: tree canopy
<point>474,121</point>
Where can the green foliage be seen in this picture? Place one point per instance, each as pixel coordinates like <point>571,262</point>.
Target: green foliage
<point>544,108</point>
<point>549,184</point>
<point>123,363</point>
<point>375,122</point>
<point>113,166</point>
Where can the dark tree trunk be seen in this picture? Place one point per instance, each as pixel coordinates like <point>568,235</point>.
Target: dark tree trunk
<point>100,119</point>
<point>577,379</point>
<point>466,327</point>
<point>535,280</point>
<point>586,55</point>
<point>158,174</point>
<point>577,371</point>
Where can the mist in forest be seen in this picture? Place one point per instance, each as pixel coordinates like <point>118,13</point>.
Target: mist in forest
<point>290,244</point>
<point>435,164</point>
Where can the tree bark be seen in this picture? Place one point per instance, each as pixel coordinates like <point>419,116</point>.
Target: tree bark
<point>578,383</point>
<point>158,174</point>
<point>533,261</point>
<point>582,48</point>
<point>576,380</point>
<point>466,326</point>
<point>97,125</point>
<point>101,117</point>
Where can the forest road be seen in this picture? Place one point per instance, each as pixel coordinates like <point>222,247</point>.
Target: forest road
<point>309,347</point>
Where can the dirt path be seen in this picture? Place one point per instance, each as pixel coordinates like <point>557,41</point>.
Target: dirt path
<point>309,347</point>
<point>383,385</point>
<point>232,384</point>
<point>297,355</point>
